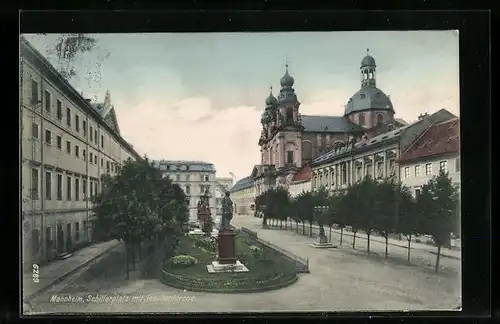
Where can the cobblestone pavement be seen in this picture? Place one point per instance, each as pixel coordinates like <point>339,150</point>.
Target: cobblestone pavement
<point>340,280</point>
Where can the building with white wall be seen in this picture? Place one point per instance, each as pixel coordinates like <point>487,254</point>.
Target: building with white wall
<point>438,148</point>
<point>195,178</point>
<point>66,145</point>
<point>377,157</point>
<point>301,181</point>
<point>243,196</point>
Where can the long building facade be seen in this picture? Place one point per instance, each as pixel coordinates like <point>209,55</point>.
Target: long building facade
<point>195,178</point>
<point>377,157</point>
<point>66,144</point>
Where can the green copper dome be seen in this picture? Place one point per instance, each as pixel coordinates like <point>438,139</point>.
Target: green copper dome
<point>287,80</point>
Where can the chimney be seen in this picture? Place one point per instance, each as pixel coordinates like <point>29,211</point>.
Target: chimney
<point>422,116</point>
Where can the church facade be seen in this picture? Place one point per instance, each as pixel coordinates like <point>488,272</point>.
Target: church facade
<point>290,140</point>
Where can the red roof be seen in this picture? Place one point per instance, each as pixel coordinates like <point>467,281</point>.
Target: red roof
<point>439,138</point>
<point>304,174</point>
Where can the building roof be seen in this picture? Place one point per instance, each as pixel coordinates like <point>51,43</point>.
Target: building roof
<point>331,123</point>
<point>439,138</point>
<point>199,166</point>
<point>387,136</point>
<point>368,98</point>
<point>244,183</point>
<point>437,117</point>
<point>304,174</point>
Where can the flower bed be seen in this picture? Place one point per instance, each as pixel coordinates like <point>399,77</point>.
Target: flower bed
<point>267,269</point>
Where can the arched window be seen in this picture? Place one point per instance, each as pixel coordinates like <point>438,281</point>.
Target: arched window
<point>371,75</point>
<point>361,119</point>
<point>380,118</point>
<point>365,75</point>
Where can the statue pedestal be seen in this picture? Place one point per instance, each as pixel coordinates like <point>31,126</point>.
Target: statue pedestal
<point>227,248</point>
<point>322,243</point>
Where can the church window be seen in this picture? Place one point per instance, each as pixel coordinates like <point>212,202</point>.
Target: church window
<point>371,75</point>
<point>361,120</point>
<point>289,157</point>
<point>380,118</point>
<point>365,75</point>
<point>289,114</point>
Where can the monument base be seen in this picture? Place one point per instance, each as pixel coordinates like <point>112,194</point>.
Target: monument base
<point>227,248</point>
<point>322,243</point>
<point>217,267</point>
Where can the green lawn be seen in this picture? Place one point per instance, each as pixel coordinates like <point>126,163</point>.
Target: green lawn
<point>269,270</point>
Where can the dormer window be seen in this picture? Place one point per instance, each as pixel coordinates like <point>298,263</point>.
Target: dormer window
<point>362,95</point>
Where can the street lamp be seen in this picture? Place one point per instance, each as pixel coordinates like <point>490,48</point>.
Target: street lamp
<point>320,212</point>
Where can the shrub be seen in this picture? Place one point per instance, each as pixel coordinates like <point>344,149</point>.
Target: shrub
<point>182,261</point>
<point>256,251</point>
<point>206,243</point>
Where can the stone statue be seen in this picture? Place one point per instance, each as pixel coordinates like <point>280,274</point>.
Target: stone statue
<point>227,212</point>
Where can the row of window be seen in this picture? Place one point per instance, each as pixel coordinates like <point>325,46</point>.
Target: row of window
<point>75,188</point>
<point>35,235</point>
<point>93,136</point>
<point>187,177</point>
<point>203,189</point>
<point>362,122</point>
<point>110,166</point>
<point>443,166</point>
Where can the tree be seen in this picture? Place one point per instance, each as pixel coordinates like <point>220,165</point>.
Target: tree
<point>386,209</point>
<point>349,208</point>
<point>304,208</point>
<point>363,210</point>
<point>136,205</point>
<point>68,48</point>
<point>408,220</point>
<point>333,214</point>
<point>438,204</point>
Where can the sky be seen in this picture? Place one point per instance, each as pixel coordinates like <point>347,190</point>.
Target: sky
<point>199,96</point>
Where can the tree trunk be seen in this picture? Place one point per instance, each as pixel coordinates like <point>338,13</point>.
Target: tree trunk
<point>286,224</point>
<point>437,259</point>
<point>341,235</point>
<point>386,244</point>
<point>409,247</point>
<point>354,240</point>
<point>303,228</point>
<point>264,221</point>
<point>127,267</point>
<point>330,235</point>
<point>297,227</point>
<point>139,254</point>
<point>310,229</point>
<point>281,224</point>
<point>368,243</point>
<point>132,248</point>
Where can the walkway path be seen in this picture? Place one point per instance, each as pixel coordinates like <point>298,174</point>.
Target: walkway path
<point>58,270</point>
<point>445,252</point>
<point>340,280</point>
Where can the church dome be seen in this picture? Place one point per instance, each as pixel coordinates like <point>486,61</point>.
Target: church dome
<point>368,60</point>
<point>271,100</point>
<point>287,80</point>
<point>368,98</point>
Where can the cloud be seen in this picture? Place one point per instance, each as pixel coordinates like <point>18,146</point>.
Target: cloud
<point>228,139</point>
